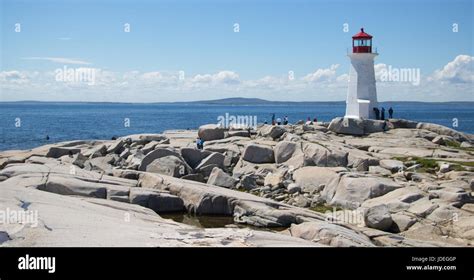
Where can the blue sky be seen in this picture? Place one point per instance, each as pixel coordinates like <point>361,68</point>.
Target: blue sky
<point>198,38</point>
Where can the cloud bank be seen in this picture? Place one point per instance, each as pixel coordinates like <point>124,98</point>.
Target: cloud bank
<point>451,82</point>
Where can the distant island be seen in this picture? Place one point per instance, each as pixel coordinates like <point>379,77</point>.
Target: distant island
<point>230,101</point>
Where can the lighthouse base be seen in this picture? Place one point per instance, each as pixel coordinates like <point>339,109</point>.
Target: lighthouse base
<point>360,109</point>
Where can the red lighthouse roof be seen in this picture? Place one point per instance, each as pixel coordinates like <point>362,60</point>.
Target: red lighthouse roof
<point>362,35</point>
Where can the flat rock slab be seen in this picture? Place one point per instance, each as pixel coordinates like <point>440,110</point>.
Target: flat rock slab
<point>65,221</point>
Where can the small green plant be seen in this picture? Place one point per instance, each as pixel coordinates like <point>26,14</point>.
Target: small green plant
<point>458,167</point>
<point>427,162</point>
<point>453,144</point>
<point>464,163</point>
<point>457,145</point>
<point>429,165</point>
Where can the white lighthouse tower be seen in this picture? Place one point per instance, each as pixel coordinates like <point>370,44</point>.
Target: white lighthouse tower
<point>362,93</point>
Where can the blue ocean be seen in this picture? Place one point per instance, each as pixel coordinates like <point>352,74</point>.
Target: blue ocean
<point>24,125</point>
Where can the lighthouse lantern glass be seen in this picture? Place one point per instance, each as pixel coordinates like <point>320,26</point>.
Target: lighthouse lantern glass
<point>362,46</point>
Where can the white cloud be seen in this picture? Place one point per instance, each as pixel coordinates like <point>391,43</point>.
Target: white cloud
<point>322,75</point>
<point>152,76</point>
<point>61,60</point>
<point>344,78</point>
<point>222,77</point>
<point>15,77</point>
<point>460,70</point>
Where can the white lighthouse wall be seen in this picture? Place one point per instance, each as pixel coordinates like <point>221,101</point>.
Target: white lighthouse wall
<point>361,86</point>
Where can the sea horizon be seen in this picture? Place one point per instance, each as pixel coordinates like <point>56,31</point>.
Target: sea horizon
<point>33,124</point>
<point>227,101</point>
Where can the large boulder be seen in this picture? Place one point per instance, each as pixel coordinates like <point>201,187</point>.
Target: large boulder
<point>402,222</point>
<point>330,234</point>
<point>256,153</point>
<point>397,200</point>
<point>284,150</point>
<point>373,126</point>
<point>115,147</point>
<point>168,165</point>
<point>239,133</point>
<point>66,180</point>
<point>378,217</point>
<point>221,147</point>
<point>194,156</point>
<point>219,178</point>
<point>401,123</point>
<point>272,131</point>
<point>315,154</point>
<point>76,159</point>
<point>206,170</point>
<point>73,186</point>
<point>57,152</point>
<point>360,160</point>
<point>210,132</point>
<point>313,178</point>
<point>350,190</point>
<point>354,126</point>
<point>392,165</point>
<point>156,154</point>
<point>150,146</point>
<point>457,196</point>
<point>101,164</point>
<point>349,126</point>
<point>97,151</point>
<point>158,201</point>
<point>443,130</point>
<point>422,207</point>
<point>214,159</point>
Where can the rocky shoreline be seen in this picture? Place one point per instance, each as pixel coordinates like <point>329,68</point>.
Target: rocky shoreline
<point>344,183</point>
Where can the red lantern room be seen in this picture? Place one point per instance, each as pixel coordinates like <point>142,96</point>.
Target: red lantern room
<point>362,42</point>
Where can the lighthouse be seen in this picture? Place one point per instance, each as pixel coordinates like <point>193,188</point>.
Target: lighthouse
<point>362,93</point>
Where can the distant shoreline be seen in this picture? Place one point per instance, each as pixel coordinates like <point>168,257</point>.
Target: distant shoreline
<point>225,101</point>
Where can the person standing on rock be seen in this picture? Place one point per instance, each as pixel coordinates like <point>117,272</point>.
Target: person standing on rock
<point>273,119</point>
<point>382,117</point>
<point>199,143</point>
<point>377,113</point>
<point>390,113</point>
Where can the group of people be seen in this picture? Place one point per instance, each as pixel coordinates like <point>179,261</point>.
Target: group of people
<point>278,121</point>
<point>380,114</point>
